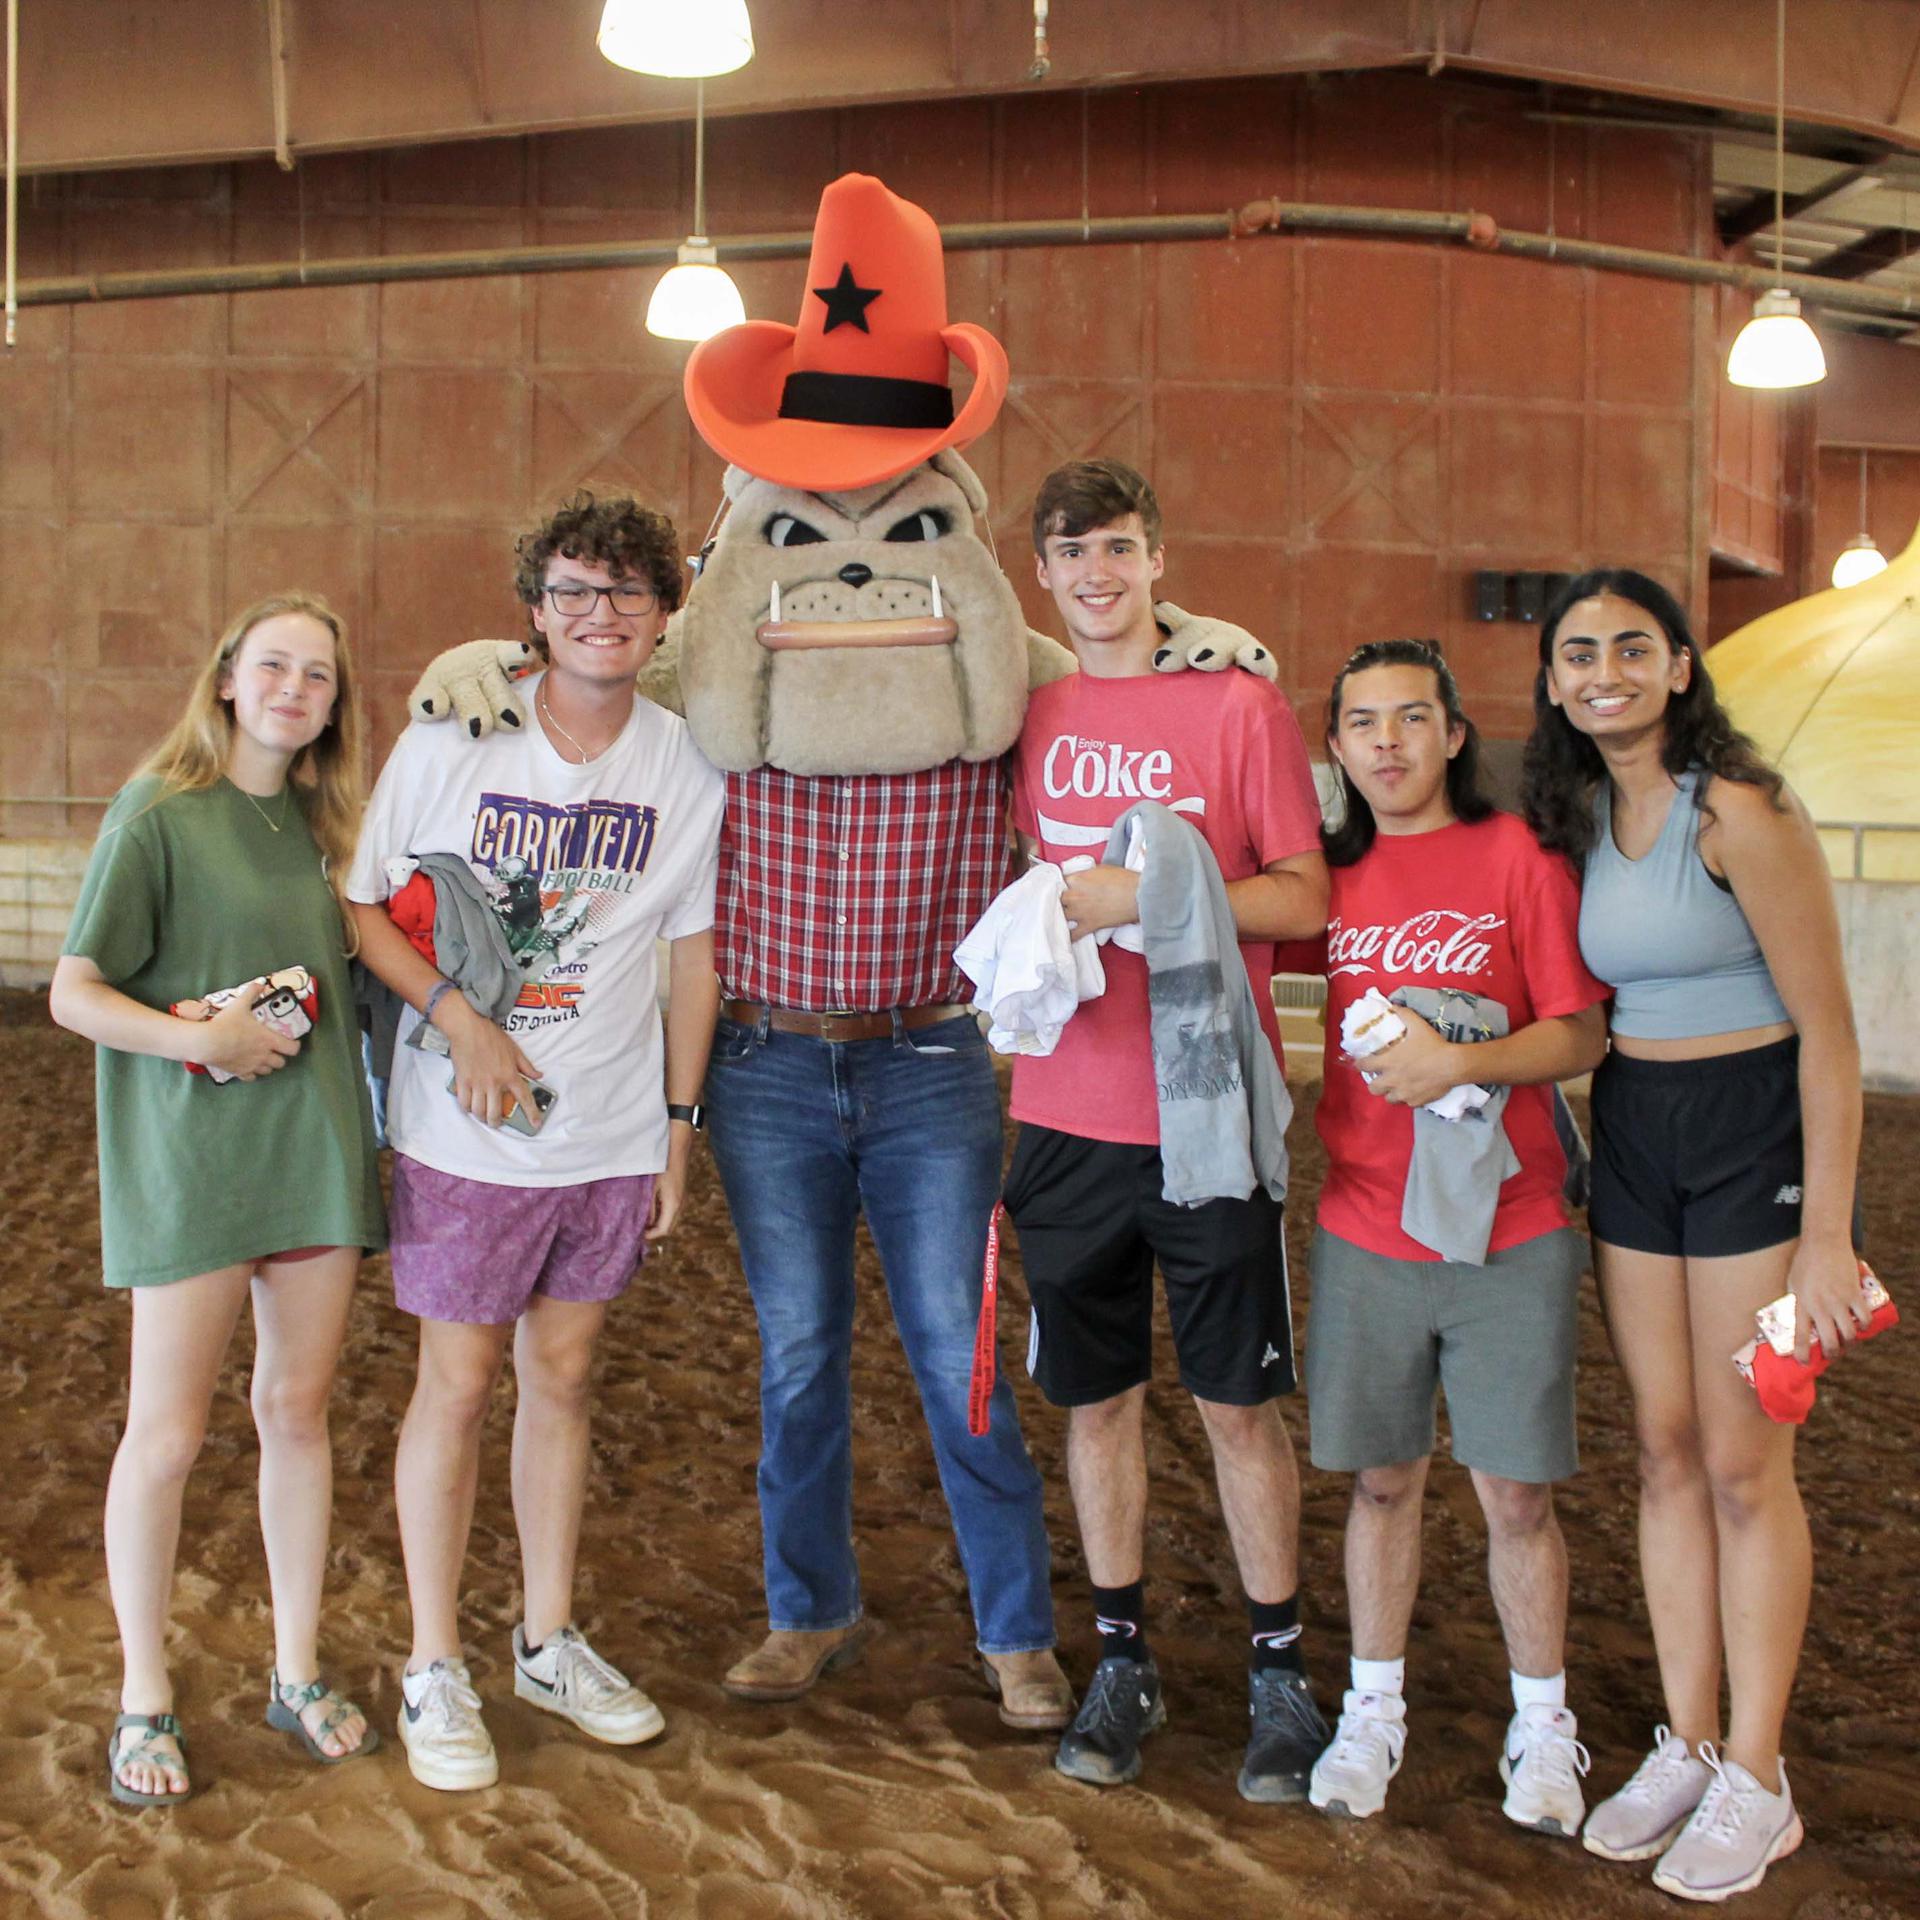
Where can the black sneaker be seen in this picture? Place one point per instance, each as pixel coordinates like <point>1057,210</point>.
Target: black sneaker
<point>1122,1706</point>
<point>1288,1736</point>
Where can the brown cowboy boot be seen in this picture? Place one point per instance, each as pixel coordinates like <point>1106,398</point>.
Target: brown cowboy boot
<point>1033,1692</point>
<point>787,1663</point>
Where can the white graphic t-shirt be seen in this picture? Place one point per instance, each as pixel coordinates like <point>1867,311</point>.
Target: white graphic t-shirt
<point>587,866</point>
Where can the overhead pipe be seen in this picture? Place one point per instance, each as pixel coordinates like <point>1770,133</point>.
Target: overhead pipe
<point>13,168</point>
<point>1476,230</point>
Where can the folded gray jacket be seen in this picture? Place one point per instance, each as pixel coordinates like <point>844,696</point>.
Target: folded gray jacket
<point>1224,1105</point>
<point>469,947</point>
<point>1458,1166</point>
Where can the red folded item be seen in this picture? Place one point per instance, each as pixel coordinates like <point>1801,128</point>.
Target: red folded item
<point>411,910</point>
<point>1786,1385</point>
<point>1786,1388</point>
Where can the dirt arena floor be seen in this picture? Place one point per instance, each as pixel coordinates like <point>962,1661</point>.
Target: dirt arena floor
<point>894,1790</point>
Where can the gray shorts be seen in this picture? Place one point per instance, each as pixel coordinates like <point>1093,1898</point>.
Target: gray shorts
<point>1502,1339</point>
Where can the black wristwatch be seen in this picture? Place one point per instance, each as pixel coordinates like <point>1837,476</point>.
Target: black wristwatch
<point>695,1116</point>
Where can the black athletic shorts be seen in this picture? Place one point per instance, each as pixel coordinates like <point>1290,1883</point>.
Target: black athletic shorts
<point>1698,1158</point>
<point>1092,1223</point>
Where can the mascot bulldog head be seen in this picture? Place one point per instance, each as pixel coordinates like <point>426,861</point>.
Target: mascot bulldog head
<point>848,616</point>
<point>867,630</point>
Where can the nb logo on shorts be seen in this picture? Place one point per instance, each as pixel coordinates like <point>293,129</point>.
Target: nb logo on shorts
<point>1787,1197</point>
<point>1270,1356</point>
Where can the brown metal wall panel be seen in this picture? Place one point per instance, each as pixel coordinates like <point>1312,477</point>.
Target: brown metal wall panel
<point>1341,430</point>
<point>117,82</point>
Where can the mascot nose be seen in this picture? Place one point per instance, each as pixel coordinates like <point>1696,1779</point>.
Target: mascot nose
<point>855,575</point>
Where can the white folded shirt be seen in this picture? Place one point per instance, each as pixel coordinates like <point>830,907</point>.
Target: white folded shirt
<point>1028,973</point>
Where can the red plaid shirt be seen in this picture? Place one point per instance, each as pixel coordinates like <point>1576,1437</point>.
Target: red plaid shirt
<point>849,892</point>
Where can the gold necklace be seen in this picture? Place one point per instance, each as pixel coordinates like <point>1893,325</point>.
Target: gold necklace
<point>540,700</point>
<point>286,798</point>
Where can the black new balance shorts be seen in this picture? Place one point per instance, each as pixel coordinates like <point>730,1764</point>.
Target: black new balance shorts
<point>1092,1223</point>
<point>1698,1158</point>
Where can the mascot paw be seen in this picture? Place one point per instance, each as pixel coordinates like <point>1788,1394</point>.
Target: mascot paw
<point>1194,640</point>
<point>475,683</point>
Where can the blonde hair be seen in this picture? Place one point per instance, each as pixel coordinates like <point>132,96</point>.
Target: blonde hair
<point>325,775</point>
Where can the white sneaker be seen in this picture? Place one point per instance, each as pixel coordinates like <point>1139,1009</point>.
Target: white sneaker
<point>1351,1776</point>
<point>568,1678</point>
<point>1542,1763</point>
<point>1643,1818</point>
<point>447,1742</point>
<point>1737,1832</point>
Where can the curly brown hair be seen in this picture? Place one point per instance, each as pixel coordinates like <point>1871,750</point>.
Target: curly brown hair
<point>618,534</point>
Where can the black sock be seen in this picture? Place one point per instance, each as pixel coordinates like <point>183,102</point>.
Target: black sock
<point>1121,1615</point>
<point>1276,1634</point>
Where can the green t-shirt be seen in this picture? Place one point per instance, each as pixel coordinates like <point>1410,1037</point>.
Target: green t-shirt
<point>181,899</point>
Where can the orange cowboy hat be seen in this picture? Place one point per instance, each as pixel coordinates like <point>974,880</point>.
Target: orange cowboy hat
<point>859,391</point>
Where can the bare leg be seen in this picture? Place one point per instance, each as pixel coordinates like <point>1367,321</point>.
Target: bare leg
<point>1383,1556</point>
<point>300,1320</point>
<point>1765,1553</point>
<point>552,1365</point>
<point>1645,1297</point>
<point>1526,1572</point>
<point>180,1335</point>
<point>1259,1494</point>
<point>1107,1470</point>
<point>436,1472</point>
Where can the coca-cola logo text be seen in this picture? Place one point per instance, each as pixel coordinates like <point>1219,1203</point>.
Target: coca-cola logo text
<point>1093,770</point>
<point>1441,940</point>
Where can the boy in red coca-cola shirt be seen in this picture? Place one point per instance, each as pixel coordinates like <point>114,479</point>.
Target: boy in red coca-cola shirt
<point>1433,889</point>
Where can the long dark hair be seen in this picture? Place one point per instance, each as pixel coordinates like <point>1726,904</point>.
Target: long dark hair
<point>1562,767</point>
<point>1344,842</point>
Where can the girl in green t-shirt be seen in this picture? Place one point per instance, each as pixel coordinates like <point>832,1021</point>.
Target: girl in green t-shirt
<point>212,871</point>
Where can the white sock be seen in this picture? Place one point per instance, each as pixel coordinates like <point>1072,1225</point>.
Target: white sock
<point>1379,1676</point>
<point>1529,1692</point>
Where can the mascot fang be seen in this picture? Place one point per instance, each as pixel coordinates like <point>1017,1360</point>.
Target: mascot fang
<point>854,659</point>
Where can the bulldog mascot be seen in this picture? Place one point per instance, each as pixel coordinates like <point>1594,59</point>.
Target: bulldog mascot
<point>854,660</point>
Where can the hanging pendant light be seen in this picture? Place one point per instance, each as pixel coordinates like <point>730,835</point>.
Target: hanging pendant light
<point>696,298</point>
<point>678,39</point>
<point>1859,559</point>
<point>1776,348</point>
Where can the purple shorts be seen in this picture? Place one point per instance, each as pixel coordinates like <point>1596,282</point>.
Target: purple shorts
<point>470,1251</point>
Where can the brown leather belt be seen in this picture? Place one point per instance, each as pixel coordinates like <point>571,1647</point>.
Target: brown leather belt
<point>836,1026</point>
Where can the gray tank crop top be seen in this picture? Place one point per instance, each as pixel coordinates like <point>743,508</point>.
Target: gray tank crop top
<point>1666,936</point>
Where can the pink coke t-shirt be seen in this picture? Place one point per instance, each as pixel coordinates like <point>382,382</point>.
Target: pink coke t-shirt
<point>1224,751</point>
<point>1482,908</point>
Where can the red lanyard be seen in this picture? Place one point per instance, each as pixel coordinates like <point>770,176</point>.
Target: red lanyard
<point>980,1387</point>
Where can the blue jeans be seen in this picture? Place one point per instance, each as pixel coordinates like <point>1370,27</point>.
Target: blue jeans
<point>807,1134</point>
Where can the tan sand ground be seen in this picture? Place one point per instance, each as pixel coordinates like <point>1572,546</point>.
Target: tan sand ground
<point>893,1791</point>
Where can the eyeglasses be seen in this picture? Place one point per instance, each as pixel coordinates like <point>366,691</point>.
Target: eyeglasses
<point>572,597</point>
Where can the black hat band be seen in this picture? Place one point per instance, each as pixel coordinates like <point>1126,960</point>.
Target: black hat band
<point>865,400</point>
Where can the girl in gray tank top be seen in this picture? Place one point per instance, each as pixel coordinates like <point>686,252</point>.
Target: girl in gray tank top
<point>1726,1124</point>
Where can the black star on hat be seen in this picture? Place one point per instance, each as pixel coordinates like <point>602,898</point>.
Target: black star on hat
<point>847,302</point>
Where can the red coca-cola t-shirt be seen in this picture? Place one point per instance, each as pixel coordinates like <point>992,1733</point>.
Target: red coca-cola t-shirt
<point>1221,749</point>
<point>1482,908</point>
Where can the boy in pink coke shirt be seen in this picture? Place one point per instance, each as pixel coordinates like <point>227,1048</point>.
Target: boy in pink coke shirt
<point>1084,1192</point>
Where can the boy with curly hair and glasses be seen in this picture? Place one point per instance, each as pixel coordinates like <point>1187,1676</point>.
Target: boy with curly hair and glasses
<point>539,1147</point>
